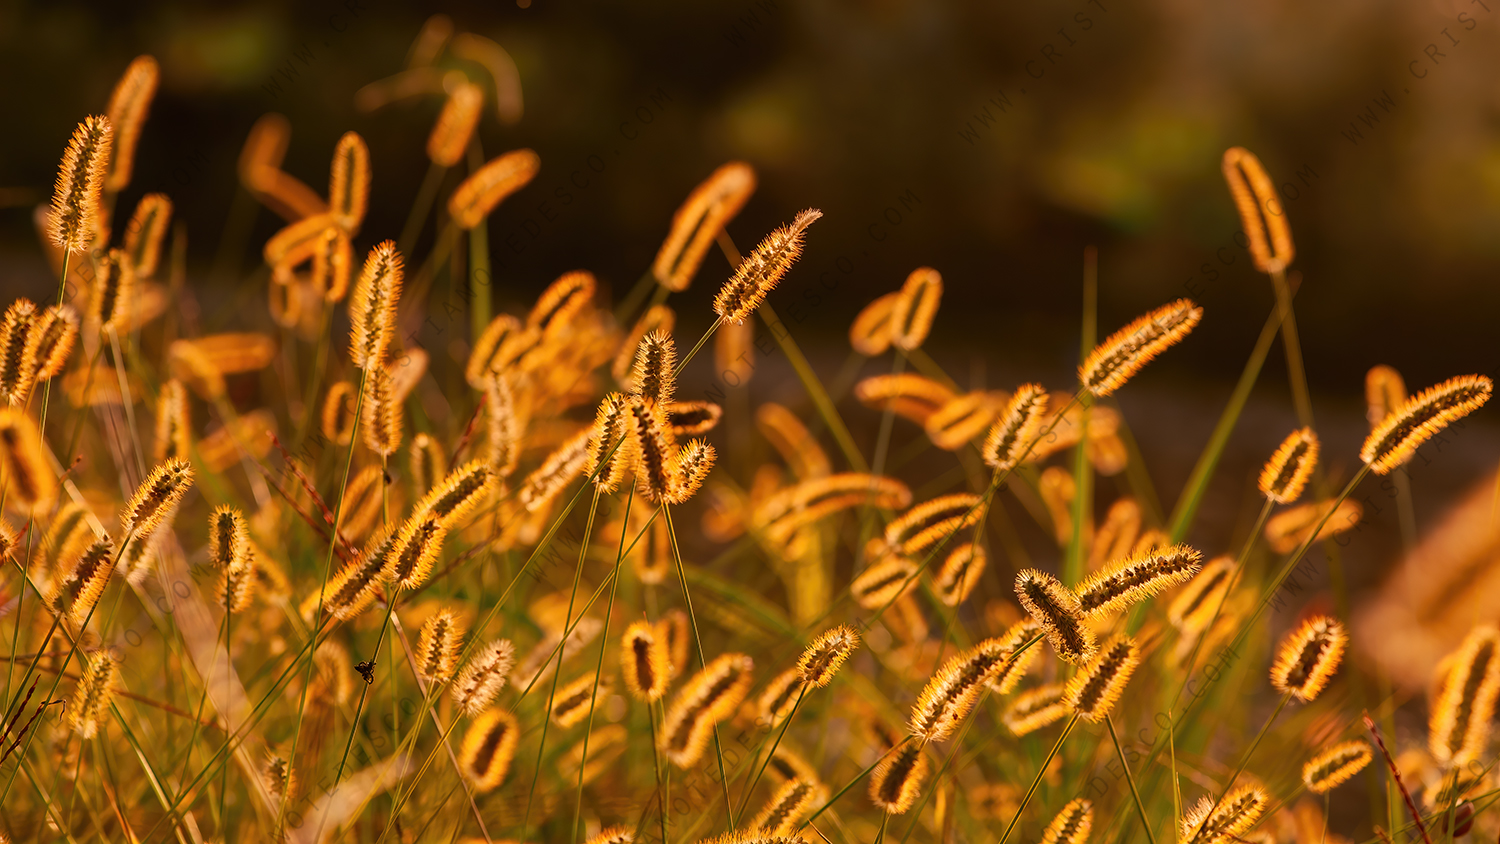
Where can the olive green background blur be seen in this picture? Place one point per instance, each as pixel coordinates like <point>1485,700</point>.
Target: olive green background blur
<point>993,141</point>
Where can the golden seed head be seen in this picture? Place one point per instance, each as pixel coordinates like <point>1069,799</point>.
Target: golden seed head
<point>962,420</point>
<point>1036,708</point>
<point>68,534</point>
<point>76,205</point>
<point>128,106</point>
<point>1020,650</point>
<point>488,186</point>
<point>95,691</point>
<point>349,182</point>
<point>1016,429</point>
<point>114,285</point>
<point>760,271</point>
<point>1309,657</point>
<point>1459,727</point>
<point>788,807</point>
<point>1385,391</point>
<point>1114,361</point>
<point>438,646</point>
<point>1261,213</point>
<point>458,494</point>
<point>80,589</point>
<point>372,307</point>
<point>896,782</point>
<point>955,688</point>
<point>959,574</point>
<point>1136,578</point>
<point>155,499</point>
<point>504,426</point>
<point>1198,602</point>
<point>556,472</point>
<point>8,540</point>
<point>295,244</point>
<point>779,697</point>
<point>1072,824</point>
<point>826,654</point>
<point>561,303</point>
<point>1059,613</point>
<point>610,443</point>
<point>691,418</point>
<point>1335,765</point>
<point>712,695</point>
<point>657,318</point>
<point>332,262</point>
<point>28,479</point>
<point>145,233</point>
<point>488,748</point>
<point>455,124</point>
<point>644,662</point>
<point>426,462</point>
<point>870,333</point>
<point>415,549</point>
<point>915,307</point>
<point>1092,692</point>
<point>338,412</point>
<point>654,377</point>
<point>483,676</point>
<point>791,439</point>
<point>711,205</point>
<point>883,582</point>
<point>1405,429</point>
<point>1287,471</point>
<point>652,449</point>
<point>932,522</point>
<point>228,538</point>
<point>1237,813</point>
<point>914,397</point>
<point>687,470</point>
<point>381,414</point>
<point>237,582</point>
<point>575,700</point>
<point>17,356</point>
<point>1291,527</point>
<point>613,835</point>
<point>53,335</point>
<point>672,627</point>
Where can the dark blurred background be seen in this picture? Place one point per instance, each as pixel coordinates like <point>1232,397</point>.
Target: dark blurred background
<point>991,141</point>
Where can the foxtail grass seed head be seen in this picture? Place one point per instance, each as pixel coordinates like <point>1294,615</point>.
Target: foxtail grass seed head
<point>932,521</point>
<point>1385,391</point>
<point>1235,815</point>
<point>1308,658</point>
<point>1058,612</point>
<point>416,548</point>
<point>114,286</point>
<point>915,307</point>
<point>962,420</point>
<point>1291,527</point>
<point>788,807</point>
<point>1019,424</point>
<point>80,589</point>
<point>561,303</point>
<point>761,270</point>
<point>687,470</point>
<point>652,450</point>
<point>826,654</point>
<point>870,333</point>
<point>556,472</point>
<point>504,428</point>
<point>793,441</point>
<point>691,418</point>
<point>1017,637</point>
<point>1261,212</point>
<point>778,698</point>
<point>53,335</point>
<point>128,106</point>
<point>954,690</point>
<point>896,782</point>
<point>644,662</point>
<point>955,580</point>
<point>1286,473</point>
<point>883,582</point>
<point>372,306</point>
<point>425,462</point>
<point>228,538</point>
<point>1459,727</point>
<point>483,676</point>
<point>610,443</point>
<point>576,699</point>
<point>1114,361</point>
<point>338,412</point>
<point>438,646</point>
<point>1198,602</point>
<point>1420,418</point>
<point>349,182</point>
<point>488,186</point>
<point>1136,578</point>
<point>91,701</point>
<point>68,534</point>
<point>613,835</point>
<point>457,496</point>
<point>1335,765</point>
<point>146,232</point>
<point>488,748</point>
<point>8,540</point>
<point>1092,692</point>
<point>698,221</point>
<point>709,697</point>
<point>455,124</point>
<point>17,357</point>
<point>654,376</point>
<point>657,318</point>
<point>351,589</point>
<point>76,201</point>
<point>381,413</point>
<point>484,360</point>
<point>237,583</point>
<point>1072,825</point>
<point>1035,708</point>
